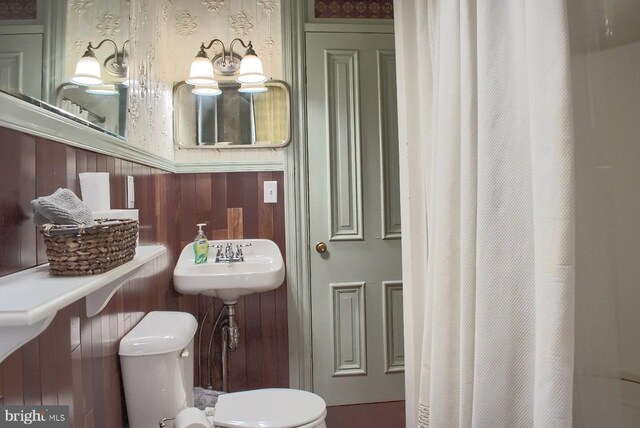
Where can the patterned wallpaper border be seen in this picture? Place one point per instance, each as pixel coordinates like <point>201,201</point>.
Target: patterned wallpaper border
<point>347,9</point>
<point>18,9</point>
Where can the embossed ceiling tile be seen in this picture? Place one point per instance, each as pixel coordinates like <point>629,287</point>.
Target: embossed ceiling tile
<point>269,51</point>
<point>108,25</point>
<point>165,10</point>
<point>134,38</point>
<point>134,111</point>
<point>213,6</point>
<point>268,6</point>
<point>142,80</point>
<point>157,36</point>
<point>77,48</point>
<point>164,129</point>
<point>241,24</point>
<point>80,6</point>
<point>151,52</point>
<point>186,24</point>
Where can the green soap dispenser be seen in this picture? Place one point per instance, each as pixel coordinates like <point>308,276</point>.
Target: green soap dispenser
<point>201,245</point>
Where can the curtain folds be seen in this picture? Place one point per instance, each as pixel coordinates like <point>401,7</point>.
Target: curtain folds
<point>492,128</point>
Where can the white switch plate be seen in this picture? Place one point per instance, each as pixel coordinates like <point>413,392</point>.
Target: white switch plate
<point>270,192</point>
<point>131,194</point>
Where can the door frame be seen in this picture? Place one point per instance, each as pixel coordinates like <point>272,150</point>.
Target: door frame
<point>295,25</point>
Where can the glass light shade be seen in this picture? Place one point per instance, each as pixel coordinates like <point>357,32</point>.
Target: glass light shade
<point>105,89</point>
<point>87,72</point>
<point>201,72</point>
<point>252,88</point>
<point>207,90</point>
<point>251,70</point>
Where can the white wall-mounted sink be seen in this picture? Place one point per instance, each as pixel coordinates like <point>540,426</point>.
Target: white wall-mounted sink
<point>262,270</point>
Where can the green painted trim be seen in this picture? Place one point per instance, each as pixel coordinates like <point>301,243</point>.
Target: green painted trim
<point>296,203</point>
<point>348,28</point>
<point>228,166</point>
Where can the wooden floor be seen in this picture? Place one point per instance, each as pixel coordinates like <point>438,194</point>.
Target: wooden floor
<point>373,415</point>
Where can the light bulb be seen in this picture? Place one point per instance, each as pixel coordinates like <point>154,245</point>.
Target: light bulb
<point>252,88</point>
<point>251,70</point>
<point>201,72</point>
<point>105,89</point>
<point>87,71</point>
<point>207,90</point>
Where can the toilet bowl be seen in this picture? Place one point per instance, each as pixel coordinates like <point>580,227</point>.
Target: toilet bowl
<point>157,370</point>
<point>270,408</point>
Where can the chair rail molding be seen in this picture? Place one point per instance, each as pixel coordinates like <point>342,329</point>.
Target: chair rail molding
<point>25,117</point>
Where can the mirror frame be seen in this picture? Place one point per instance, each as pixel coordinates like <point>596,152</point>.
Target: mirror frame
<point>246,146</point>
<point>31,119</point>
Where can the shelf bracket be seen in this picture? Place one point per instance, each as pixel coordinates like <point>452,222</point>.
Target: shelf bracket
<point>97,300</point>
<point>13,337</point>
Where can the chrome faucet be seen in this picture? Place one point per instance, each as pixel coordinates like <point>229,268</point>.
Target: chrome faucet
<point>228,252</point>
<point>228,255</point>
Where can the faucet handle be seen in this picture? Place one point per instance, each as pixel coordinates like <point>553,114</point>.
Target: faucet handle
<point>239,254</point>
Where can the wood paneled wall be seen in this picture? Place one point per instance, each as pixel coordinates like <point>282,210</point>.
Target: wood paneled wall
<point>74,362</point>
<point>231,204</point>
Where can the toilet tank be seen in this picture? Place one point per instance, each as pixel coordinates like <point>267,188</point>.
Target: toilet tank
<point>157,367</point>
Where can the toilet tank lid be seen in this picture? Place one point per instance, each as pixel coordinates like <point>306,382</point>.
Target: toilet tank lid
<point>159,332</point>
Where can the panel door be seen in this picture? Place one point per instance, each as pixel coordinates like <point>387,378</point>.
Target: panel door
<point>21,63</point>
<point>355,213</point>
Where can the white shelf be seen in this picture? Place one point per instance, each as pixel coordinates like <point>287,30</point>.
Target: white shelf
<point>31,298</point>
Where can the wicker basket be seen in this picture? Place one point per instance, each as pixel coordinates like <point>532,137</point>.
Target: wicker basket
<point>76,251</point>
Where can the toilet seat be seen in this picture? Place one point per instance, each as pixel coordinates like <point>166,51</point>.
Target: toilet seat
<point>269,408</point>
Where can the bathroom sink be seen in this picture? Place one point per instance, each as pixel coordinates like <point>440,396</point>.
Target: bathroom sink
<point>261,270</point>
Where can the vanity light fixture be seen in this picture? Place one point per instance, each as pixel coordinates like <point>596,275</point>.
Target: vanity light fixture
<point>252,88</point>
<point>207,90</point>
<point>104,89</point>
<point>228,63</point>
<point>88,69</point>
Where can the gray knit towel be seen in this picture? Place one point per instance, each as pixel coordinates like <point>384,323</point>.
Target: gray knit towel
<point>63,207</point>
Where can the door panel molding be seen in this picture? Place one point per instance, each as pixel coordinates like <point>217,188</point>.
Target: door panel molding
<point>348,329</point>
<point>11,70</point>
<point>393,326</point>
<point>348,315</point>
<point>390,161</point>
<point>343,132</point>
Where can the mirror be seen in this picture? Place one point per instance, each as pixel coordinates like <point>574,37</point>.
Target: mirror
<point>232,119</point>
<point>42,40</point>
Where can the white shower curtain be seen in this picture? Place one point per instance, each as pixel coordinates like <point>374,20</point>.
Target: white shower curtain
<point>487,164</point>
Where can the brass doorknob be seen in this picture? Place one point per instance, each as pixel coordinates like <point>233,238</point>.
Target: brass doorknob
<point>321,247</point>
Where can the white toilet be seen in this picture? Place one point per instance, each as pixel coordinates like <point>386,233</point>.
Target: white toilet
<point>157,372</point>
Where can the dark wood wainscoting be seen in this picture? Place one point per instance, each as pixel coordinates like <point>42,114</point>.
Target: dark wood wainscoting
<point>74,362</point>
<point>231,204</point>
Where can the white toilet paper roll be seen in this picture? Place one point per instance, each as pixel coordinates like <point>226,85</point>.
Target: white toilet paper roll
<point>95,190</point>
<point>191,417</point>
